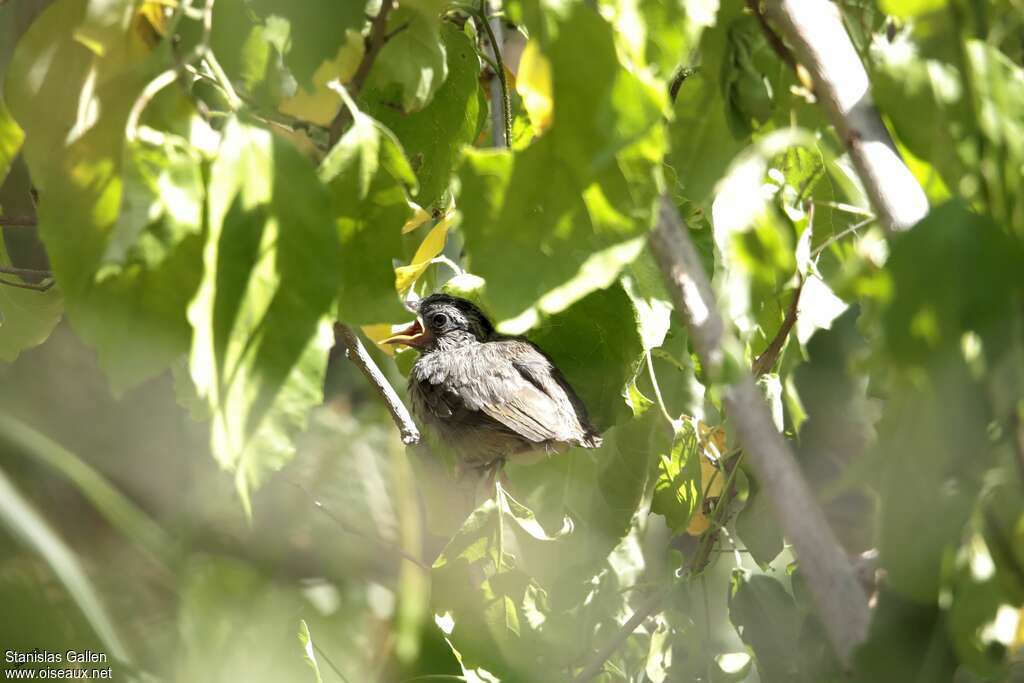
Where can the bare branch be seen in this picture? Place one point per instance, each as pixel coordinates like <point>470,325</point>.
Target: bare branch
<point>773,38</point>
<point>375,40</point>
<point>766,360</point>
<point>838,596</point>
<point>358,354</point>
<point>815,31</point>
<point>654,604</point>
<point>41,287</point>
<point>18,221</point>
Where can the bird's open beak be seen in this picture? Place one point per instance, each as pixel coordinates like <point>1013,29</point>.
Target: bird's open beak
<point>414,335</point>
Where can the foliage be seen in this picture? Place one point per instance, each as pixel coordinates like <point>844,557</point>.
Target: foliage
<point>215,184</point>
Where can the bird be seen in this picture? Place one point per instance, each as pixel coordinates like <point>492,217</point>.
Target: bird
<point>491,397</point>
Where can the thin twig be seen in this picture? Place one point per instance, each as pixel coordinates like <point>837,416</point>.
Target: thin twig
<point>677,80</point>
<point>334,667</point>
<point>25,271</point>
<point>375,40</point>
<point>835,238</point>
<point>356,531</point>
<point>657,392</point>
<point>764,362</point>
<point>166,78</point>
<point>773,38</point>
<point>41,287</point>
<point>18,221</point>
<point>655,603</point>
<point>358,354</point>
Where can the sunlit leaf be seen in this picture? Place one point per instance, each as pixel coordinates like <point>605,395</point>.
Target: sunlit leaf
<point>533,83</point>
<point>678,491</point>
<point>430,247</point>
<point>367,175</point>
<point>26,317</point>
<point>262,313</point>
<point>411,67</point>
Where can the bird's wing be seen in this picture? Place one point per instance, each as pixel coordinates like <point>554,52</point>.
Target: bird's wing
<point>510,382</point>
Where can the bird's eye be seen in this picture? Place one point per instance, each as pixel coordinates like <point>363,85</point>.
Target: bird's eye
<point>438,320</point>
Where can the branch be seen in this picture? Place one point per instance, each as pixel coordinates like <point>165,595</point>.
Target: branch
<point>815,30</point>
<point>766,360</point>
<point>18,221</point>
<point>654,604</point>
<point>375,40</point>
<point>773,38</point>
<point>678,78</point>
<point>42,287</point>
<point>357,353</point>
<point>499,67</point>
<point>838,596</point>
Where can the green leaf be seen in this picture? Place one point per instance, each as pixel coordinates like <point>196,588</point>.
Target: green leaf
<point>411,67</point>
<point>838,428</point>
<point>251,51</point>
<point>932,453</point>
<point>933,307</point>
<point>434,137</point>
<point>596,343</point>
<point>903,82</point>
<point>906,642</point>
<point>702,143</point>
<point>75,160</point>
<point>582,195</point>
<point>911,8</point>
<point>235,623</point>
<point>767,620</point>
<point>678,491</point>
<point>977,597</point>
<point>478,582</point>
<point>520,598</point>
<point>308,651</point>
<point>367,174</point>
<point>162,199</point>
<point>11,137</point>
<point>27,317</point>
<point>319,31</point>
<point>757,527</point>
<point>262,315</point>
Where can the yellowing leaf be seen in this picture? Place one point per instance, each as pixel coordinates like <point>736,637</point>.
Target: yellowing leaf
<point>533,84</point>
<point>320,105</point>
<point>420,217</point>
<point>377,334</point>
<point>151,20</point>
<point>712,442</point>
<point>433,243</point>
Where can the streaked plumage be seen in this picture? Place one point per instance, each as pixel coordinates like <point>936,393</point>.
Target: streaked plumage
<point>489,396</point>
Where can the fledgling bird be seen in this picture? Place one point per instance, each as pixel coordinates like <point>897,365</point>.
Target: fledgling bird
<point>488,395</point>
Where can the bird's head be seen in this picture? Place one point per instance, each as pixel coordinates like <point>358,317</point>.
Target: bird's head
<point>444,321</point>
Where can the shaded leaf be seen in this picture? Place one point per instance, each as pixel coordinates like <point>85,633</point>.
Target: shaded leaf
<point>434,136</point>
<point>26,317</point>
<point>906,642</point>
<point>596,343</point>
<point>599,182</point>
<point>367,173</point>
